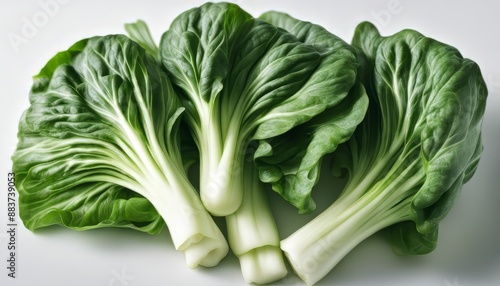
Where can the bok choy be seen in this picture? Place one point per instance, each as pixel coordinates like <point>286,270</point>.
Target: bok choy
<point>100,147</point>
<point>407,161</point>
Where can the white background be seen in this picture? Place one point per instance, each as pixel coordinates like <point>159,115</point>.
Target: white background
<point>468,251</point>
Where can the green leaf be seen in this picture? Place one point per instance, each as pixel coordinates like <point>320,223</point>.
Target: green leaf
<point>406,240</point>
<point>292,160</point>
<point>293,165</point>
<point>195,48</point>
<point>76,159</point>
<point>327,86</point>
<point>139,32</point>
<point>93,205</point>
<point>241,79</point>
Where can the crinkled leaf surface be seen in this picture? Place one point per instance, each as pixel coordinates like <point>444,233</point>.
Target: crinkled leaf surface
<point>242,78</point>
<point>98,111</point>
<point>291,161</point>
<point>423,124</point>
<point>240,66</point>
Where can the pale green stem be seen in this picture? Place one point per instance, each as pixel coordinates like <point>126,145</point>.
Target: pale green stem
<point>221,165</point>
<point>253,235</point>
<point>316,248</point>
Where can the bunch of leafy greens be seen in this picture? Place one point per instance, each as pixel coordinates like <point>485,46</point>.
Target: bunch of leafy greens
<point>251,230</point>
<point>115,122</point>
<point>407,161</point>
<point>242,79</point>
<point>102,140</point>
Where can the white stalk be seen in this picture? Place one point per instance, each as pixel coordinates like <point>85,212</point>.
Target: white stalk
<point>220,165</point>
<point>165,184</point>
<point>314,261</point>
<point>253,235</point>
<point>191,227</point>
<point>316,248</point>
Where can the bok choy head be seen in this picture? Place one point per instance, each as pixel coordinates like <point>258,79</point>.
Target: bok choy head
<point>407,161</point>
<point>243,79</point>
<point>99,146</point>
